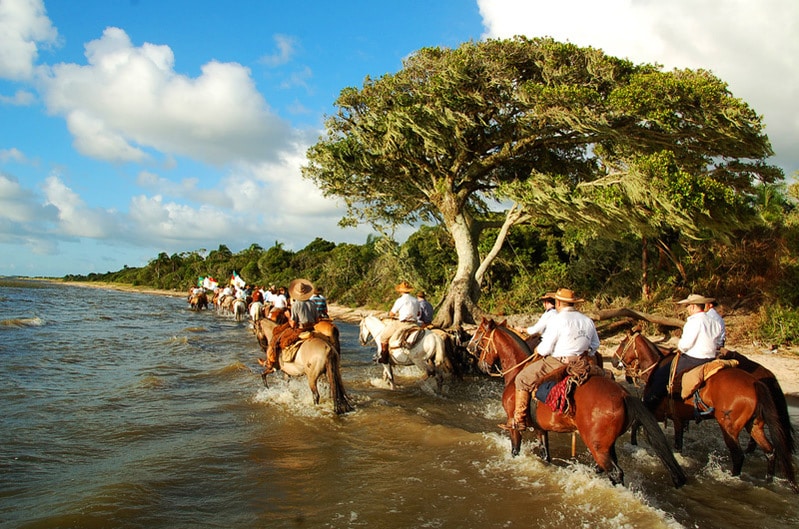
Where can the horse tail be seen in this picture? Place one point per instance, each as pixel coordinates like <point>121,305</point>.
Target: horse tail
<point>636,411</point>
<point>781,404</point>
<point>341,403</point>
<point>766,410</point>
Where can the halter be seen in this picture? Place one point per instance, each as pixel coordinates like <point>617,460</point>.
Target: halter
<point>632,368</point>
<point>484,351</point>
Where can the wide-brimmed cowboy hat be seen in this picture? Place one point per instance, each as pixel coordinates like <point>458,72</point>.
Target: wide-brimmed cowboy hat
<point>548,295</point>
<point>567,295</point>
<point>301,289</point>
<point>404,287</point>
<point>695,299</point>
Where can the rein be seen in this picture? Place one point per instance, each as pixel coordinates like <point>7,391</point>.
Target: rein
<point>491,343</point>
<point>632,368</point>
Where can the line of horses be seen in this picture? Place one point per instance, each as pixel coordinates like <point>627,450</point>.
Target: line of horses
<point>747,397</point>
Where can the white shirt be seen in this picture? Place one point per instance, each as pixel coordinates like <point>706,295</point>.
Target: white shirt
<point>541,325</point>
<point>568,333</point>
<point>279,301</point>
<point>700,336</point>
<point>406,308</point>
<point>712,313</point>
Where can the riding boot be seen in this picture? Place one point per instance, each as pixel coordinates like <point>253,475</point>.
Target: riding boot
<point>271,359</point>
<point>520,412</point>
<point>383,353</point>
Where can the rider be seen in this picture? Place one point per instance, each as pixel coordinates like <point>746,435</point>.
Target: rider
<point>303,317</point>
<point>320,301</point>
<point>569,334</point>
<point>425,309</point>
<point>537,329</point>
<point>403,314</point>
<point>698,345</point>
<point>710,310</point>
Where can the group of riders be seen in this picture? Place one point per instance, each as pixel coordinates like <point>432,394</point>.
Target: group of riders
<point>563,335</point>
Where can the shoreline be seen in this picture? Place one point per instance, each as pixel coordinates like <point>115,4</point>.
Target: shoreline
<point>784,364</point>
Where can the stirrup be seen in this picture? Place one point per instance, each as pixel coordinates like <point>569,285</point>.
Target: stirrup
<point>519,427</point>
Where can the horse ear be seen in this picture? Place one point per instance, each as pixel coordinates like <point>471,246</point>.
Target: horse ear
<point>504,323</point>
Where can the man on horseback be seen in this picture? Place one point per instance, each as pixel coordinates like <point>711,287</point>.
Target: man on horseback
<point>569,335</point>
<point>425,309</point>
<point>700,343</point>
<point>537,329</point>
<point>302,318</point>
<point>404,313</point>
<point>320,301</point>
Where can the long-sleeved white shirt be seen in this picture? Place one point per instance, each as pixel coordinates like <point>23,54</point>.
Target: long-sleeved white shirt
<point>568,333</point>
<point>700,336</point>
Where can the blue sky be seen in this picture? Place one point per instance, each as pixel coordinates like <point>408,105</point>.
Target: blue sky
<point>134,127</point>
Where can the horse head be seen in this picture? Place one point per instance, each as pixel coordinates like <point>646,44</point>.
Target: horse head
<point>364,334</point>
<point>637,355</point>
<point>481,345</point>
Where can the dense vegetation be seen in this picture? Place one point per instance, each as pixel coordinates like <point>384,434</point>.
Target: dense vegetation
<point>757,270</point>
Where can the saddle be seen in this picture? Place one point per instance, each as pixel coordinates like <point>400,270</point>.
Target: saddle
<point>556,390</point>
<point>693,379</point>
<point>289,352</point>
<point>407,337</point>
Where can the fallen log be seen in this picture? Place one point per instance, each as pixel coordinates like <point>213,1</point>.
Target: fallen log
<point>665,321</point>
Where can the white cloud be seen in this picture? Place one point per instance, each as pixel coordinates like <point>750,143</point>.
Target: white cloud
<point>285,51</point>
<point>19,205</point>
<point>12,154</point>
<point>750,45</point>
<point>128,99</point>
<point>23,27</point>
<point>19,99</point>
<point>75,218</point>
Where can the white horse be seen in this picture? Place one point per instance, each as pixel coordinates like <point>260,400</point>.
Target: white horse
<point>240,309</point>
<point>428,352</point>
<point>256,310</point>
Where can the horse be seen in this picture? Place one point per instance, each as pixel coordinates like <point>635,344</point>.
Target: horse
<point>314,357</point>
<point>428,353</point>
<point>256,310</point>
<point>733,397</point>
<point>602,410</point>
<point>240,309</point>
<point>199,301</point>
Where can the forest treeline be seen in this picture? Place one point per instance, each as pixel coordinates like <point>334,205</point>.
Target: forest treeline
<point>756,271</point>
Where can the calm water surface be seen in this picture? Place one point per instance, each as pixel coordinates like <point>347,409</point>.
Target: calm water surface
<point>129,410</point>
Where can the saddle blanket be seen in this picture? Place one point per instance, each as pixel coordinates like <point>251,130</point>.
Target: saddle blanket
<point>693,378</point>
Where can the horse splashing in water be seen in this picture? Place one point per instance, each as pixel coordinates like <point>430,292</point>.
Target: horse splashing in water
<point>428,352</point>
<point>602,409</point>
<point>314,357</point>
<point>733,397</point>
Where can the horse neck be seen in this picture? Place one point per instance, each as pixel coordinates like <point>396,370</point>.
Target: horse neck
<point>648,353</point>
<point>509,352</point>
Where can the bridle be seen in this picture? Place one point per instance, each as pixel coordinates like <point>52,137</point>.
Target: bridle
<point>633,368</point>
<point>483,345</point>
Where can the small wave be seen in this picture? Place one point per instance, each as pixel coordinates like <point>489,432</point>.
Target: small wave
<point>23,322</point>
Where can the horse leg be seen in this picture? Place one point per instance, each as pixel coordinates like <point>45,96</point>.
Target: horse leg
<point>634,432</point>
<point>388,375</point>
<point>312,383</point>
<point>543,441</point>
<point>758,437</point>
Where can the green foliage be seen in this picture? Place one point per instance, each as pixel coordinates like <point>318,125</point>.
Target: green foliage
<point>779,324</point>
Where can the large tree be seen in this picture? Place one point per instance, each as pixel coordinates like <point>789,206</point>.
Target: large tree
<point>445,139</point>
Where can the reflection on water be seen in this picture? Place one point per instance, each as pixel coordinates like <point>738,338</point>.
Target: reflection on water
<point>128,410</point>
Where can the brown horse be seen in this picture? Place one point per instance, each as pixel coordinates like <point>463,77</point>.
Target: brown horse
<point>735,398</point>
<point>602,410</point>
<point>199,301</point>
<point>314,357</point>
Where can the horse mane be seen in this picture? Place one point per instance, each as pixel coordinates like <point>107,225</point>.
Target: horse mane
<point>515,337</point>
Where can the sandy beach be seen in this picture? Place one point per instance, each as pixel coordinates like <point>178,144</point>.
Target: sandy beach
<point>784,363</point>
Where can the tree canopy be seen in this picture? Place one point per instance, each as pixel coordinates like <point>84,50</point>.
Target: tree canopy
<point>501,132</point>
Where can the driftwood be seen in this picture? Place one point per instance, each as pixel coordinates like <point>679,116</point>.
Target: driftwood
<point>664,321</point>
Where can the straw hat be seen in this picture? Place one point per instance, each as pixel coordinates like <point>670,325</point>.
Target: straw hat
<point>566,295</point>
<point>301,289</point>
<point>695,299</point>
<point>404,287</point>
<point>548,295</point>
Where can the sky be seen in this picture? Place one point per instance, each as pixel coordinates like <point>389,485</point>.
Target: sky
<point>134,127</point>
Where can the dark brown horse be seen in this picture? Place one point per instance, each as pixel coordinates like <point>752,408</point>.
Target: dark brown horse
<point>736,399</point>
<point>602,410</point>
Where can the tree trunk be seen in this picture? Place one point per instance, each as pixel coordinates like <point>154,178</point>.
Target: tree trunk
<point>460,304</point>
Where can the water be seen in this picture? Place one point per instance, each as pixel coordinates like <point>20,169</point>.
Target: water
<point>128,410</point>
